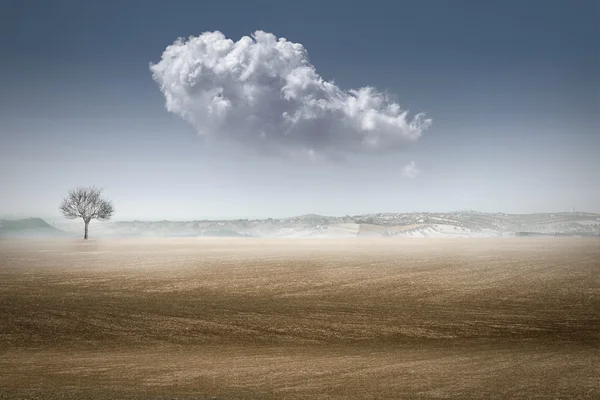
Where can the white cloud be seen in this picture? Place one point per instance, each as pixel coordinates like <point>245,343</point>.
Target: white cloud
<point>410,170</point>
<point>262,92</point>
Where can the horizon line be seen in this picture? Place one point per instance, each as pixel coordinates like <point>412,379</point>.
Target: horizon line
<point>314,215</point>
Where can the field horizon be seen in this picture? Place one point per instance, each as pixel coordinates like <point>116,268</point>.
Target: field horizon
<point>327,318</point>
<point>411,224</point>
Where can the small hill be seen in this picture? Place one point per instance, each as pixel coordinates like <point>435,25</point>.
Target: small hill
<point>29,227</point>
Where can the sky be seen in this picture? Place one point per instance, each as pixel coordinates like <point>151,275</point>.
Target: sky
<point>233,121</point>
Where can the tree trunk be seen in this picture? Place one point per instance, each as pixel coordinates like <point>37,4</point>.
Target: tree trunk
<point>85,236</point>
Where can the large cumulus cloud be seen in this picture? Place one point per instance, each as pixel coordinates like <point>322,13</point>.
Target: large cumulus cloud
<point>263,92</point>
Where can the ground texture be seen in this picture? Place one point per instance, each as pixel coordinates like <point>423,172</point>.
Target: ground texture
<point>290,319</point>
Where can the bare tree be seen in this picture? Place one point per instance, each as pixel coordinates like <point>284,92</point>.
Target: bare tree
<point>87,203</point>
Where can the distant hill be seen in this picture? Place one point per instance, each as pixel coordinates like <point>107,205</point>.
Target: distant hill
<point>450,224</point>
<point>29,227</point>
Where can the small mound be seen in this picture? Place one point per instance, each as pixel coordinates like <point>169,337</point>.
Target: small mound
<point>28,227</point>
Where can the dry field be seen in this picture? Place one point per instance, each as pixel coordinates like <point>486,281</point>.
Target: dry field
<point>290,319</point>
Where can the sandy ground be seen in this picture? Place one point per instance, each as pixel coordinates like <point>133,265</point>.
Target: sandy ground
<point>298,319</point>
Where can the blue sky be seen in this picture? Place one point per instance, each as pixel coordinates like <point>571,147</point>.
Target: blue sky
<point>512,88</point>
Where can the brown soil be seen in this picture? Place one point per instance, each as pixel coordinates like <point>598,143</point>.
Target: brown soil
<point>326,319</point>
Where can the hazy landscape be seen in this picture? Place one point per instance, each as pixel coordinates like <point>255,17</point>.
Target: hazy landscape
<point>318,200</point>
<point>450,224</point>
<point>362,318</point>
